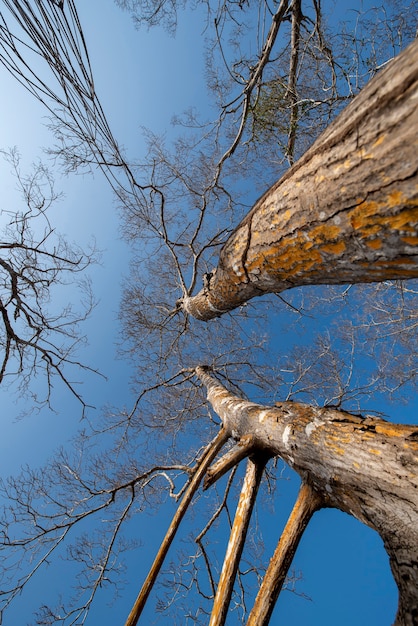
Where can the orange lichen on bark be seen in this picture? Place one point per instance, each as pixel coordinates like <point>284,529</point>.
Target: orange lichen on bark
<point>285,260</point>
<point>389,429</point>
<point>336,441</point>
<point>375,244</point>
<point>333,446</point>
<point>396,198</point>
<point>379,141</point>
<point>334,248</point>
<point>325,232</point>
<point>412,241</point>
<point>308,250</point>
<point>346,212</point>
<point>370,215</point>
<point>302,251</point>
<point>271,248</point>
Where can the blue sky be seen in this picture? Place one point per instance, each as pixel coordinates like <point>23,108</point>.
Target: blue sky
<point>143,78</point>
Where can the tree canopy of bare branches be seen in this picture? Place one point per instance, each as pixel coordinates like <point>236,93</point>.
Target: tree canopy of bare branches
<point>38,336</point>
<point>278,73</point>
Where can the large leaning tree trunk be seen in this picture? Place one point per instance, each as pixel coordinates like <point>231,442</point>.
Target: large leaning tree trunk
<point>346,212</point>
<point>364,466</point>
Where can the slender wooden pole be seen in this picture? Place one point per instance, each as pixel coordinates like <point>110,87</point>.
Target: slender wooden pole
<point>237,538</point>
<point>207,458</point>
<point>308,501</point>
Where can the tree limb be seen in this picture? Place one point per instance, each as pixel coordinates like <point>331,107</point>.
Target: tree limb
<point>254,472</point>
<point>308,501</point>
<point>243,449</point>
<point>207,458</point>
<point>347,211</point>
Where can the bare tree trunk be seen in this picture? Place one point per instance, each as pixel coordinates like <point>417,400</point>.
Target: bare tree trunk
<point>249,490</point>
<point>364,466</point>
<point>346,212</point>
<point>307,503</point>
<point>208,456</point>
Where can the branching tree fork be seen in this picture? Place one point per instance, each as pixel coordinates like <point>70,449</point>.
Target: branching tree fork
<point>362,466</point>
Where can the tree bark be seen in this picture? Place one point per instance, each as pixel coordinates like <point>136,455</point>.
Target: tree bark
<point>346,212</point>
<point>364,466</point>
<point>249,490</point>
<point>307,503</point>
<point>207,457</point>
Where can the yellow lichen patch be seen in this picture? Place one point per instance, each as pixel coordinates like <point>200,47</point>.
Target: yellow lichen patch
<point>286,215</point>
<point>379,141</point>
<point>336,170</point>
<point>359,216</point>
<point>282,252</point>
<point>407,219</point>
<point>392,430</point>
<point>277,222</point>
<point>356,465</point>
<point>371,217</point>
<point>334,248</point>
<point>335,440</point>
<point>363,154</point>
<point>336,449</point>
<point>367,435</point>
<point>374,229</point>
<point>285,260</point>
<point>412,446</point>
<point>408,206</point>
<point>413,241</point>
<point>396,198</point>
<point>296,260</point>
<point>325,232</point>
<point>374,451</point>
<point>375,244</point>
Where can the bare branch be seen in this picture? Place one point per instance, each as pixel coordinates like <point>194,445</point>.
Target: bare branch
<point>254,472</point>
<point>214,448</point>
<point>308,501</point>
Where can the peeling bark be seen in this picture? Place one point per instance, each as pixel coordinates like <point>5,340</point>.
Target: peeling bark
<point>346,212</point>
<point>364,466</point>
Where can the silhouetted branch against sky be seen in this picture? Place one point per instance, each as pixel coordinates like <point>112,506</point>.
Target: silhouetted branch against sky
<point>37,339</point>
<point>257,83</point>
